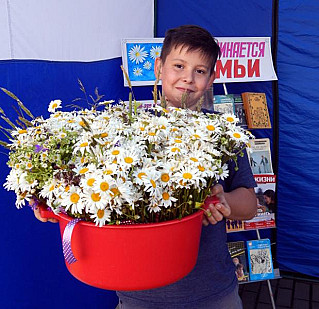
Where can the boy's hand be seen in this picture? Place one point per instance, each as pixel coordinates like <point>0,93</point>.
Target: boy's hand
<point>37,214</point>
<point>217,212</point>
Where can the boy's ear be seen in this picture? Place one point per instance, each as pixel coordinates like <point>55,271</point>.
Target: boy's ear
<point>158,67</point>
<point>211,80</point>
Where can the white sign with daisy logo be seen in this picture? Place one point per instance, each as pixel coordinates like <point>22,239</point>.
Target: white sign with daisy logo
<point>245,59</point>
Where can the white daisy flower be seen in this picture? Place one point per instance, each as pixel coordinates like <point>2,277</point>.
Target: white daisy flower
<point>93,200</point>
<point>155,52</point>
<point>167,199</point>
<point>147,65</point>
<point>137,71</point>
<point>100,216</point>
<point>54,105</point>
<point>73,198</point>
<point>137,54</point>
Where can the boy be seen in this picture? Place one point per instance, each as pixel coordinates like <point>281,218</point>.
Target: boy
<point>186,68</point>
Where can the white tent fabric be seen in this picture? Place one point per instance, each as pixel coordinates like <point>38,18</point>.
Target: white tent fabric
<point>73,30</point>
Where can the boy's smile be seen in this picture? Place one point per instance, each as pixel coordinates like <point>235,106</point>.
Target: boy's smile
<point>184,72</point>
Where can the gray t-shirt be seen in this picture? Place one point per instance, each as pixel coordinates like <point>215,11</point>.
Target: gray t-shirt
<point>214,273</point>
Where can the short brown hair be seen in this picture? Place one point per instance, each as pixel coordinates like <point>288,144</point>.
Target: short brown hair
<point>193,38</point>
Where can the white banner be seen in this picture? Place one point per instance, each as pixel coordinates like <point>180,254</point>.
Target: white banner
<point>245,60</point>
<point>72,30</point>
<point>242,60</point>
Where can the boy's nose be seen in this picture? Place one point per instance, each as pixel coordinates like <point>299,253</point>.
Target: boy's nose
<point>188,77</point>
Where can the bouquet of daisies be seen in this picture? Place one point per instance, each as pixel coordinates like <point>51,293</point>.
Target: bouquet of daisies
<point>121,163</point>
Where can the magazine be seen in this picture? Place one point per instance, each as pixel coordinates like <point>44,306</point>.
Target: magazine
<point>260,260</point>
<point>240,111</point>
<point>265,194</point>
<point>237,252</point>
<point>224,104</point>
<point>260,156</point>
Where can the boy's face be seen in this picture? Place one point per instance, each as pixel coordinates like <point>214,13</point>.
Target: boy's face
<point>184,72</point>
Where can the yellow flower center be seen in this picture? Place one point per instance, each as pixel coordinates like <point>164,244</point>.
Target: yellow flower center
<point>22,131</point>
<point>151,133</point>
<point>196,136</point>
<point>187,176</point>
<point>142,128</point>
<point>108,172</point>
<point>83,170</point>
<point>115,191</point>
<point>82,123</point>
<point>85,144</point>
<point>104,186</point>
<point>104,134</point>
<point>67,188</point>
<point>153,183</point>
<point>100,213</point>
<point>230,119</point>
<point>236,135</point>
<point>74,197</point>
<point>165,177</point>
<point>178,141</point>
<point>128,160</point>
<point>95,197</point>
<point>165,196</point>
<point>90,182</point>
<point>54,105</point>
<point>51,188</point>
<point>175,149</point>
<point>210,127</point>
<point>115,152</point>
<point>140,175</point>
<point>193,159</point>
<point>201,168</point>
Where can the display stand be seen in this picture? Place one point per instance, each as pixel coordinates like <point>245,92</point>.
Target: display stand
<point>258,237</point>
<point>268,282</point>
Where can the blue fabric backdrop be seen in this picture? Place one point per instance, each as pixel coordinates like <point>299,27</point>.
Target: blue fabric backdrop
<point>298,194</point>
<point>33,274</point>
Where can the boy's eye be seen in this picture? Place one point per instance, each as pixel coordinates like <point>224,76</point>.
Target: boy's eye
<point>200,71</point>
<point>178,66</point>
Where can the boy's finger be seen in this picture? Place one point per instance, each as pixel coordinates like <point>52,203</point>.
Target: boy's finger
<point>215,214</point>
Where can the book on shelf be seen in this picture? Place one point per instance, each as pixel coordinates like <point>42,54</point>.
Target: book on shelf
<point>237,252</point>
<point>256,110</point>
<point>265,194</point>
<point>224,104</point>
<point>260,156</point>
<point>240,111</point>
<point>260,260</point>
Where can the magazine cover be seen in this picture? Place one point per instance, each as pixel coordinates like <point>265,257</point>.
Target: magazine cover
<point>260,156</point>
<point>224,104</point>
<point>240,111</point>
<point>238,254</point>
<point>265,194</point>
<point>260,260</point>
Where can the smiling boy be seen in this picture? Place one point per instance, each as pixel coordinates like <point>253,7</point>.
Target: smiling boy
<point>186,68</point>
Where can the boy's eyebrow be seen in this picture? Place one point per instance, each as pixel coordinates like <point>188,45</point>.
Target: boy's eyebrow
<point>199,65</point>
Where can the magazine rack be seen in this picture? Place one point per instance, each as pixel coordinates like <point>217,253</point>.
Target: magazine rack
<point>239,226</point>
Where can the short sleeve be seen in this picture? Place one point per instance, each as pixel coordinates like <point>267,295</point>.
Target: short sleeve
<point>243,177</point>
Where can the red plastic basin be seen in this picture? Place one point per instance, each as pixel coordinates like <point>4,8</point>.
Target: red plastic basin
<point>133,257</point>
